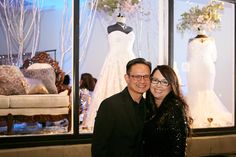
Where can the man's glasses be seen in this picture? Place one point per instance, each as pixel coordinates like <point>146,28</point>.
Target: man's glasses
<point>162,82</point>
<point>140,77</point>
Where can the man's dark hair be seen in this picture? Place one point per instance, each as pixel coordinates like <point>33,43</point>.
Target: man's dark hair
<point>137,61</point>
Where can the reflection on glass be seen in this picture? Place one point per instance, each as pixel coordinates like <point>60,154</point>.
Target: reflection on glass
<point>205,69</point>
<point>35,67</point>
<point>108,40</point>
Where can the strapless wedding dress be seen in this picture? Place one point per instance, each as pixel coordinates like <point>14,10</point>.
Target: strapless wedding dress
<point>111,79</point>
<point>203,102</point>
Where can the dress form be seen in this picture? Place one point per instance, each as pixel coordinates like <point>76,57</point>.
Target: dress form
<point>120,25</point>
<point>111,79</point>
<point>206,108</point>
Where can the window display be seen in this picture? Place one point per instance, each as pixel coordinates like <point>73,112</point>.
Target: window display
<point>205,62</point>
<point>35,66</point>
<point>130,30</point>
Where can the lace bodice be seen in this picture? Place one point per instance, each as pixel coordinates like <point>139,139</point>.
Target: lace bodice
<point>203,49</point>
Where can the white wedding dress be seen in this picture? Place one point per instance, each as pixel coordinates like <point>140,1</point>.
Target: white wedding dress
<point>111,79</point>
<point>203,102</point>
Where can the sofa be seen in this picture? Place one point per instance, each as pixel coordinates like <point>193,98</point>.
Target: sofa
<point>36,92</point>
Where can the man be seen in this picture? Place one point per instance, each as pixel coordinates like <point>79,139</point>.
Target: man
<point>120,118</point>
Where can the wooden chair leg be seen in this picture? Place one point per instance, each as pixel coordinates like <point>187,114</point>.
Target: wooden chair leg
<point>9,124</point>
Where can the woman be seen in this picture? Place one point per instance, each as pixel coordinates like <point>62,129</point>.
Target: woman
<point>167,124</point>
<point>87,82</point>
<point>87,85</point>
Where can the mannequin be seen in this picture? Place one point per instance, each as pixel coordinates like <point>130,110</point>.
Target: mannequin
<point>201,36</point>
<point>120,25</point>
<point>111,79</point>
<point>206,108</point>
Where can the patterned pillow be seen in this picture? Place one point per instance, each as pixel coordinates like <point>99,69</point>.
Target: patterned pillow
<point>36,86</point>
<point>12,81</point>
<point>47,76</point>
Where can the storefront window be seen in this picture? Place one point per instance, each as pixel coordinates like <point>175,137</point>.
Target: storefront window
<point>103,58</point>
<point>204,58</point>
<point>76,44</point>
<point>36,68</point>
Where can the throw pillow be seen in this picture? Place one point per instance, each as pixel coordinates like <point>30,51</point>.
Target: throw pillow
<point>47,76</point>
<point>36,86</point>
<point>12,81</point>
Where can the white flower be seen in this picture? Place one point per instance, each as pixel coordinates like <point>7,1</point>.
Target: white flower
<point>110,6</point>
<point>200,19</point>
<point>207,17</point>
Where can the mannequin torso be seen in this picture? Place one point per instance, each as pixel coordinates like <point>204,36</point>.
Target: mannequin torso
<point>200,37</point>
<point>119,27</point>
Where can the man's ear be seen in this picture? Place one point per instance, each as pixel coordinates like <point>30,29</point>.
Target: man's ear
<point>126,76</point>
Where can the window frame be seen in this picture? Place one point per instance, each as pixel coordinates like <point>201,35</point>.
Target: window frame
<point>49,140</point>
<point>75,137</point>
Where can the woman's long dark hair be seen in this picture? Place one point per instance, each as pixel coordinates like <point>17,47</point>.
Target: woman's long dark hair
<point>170,75</point>
<point>88,81</point>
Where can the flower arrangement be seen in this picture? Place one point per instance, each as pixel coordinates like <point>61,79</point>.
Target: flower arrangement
<point>206,18</point>
<point>110,6</point>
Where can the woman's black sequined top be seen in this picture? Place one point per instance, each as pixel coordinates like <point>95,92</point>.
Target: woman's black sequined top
<point>165,130</point>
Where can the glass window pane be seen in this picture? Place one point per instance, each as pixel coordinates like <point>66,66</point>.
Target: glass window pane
<point>205,64</point>
<point>35,67</point>
<point>105,53</point>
